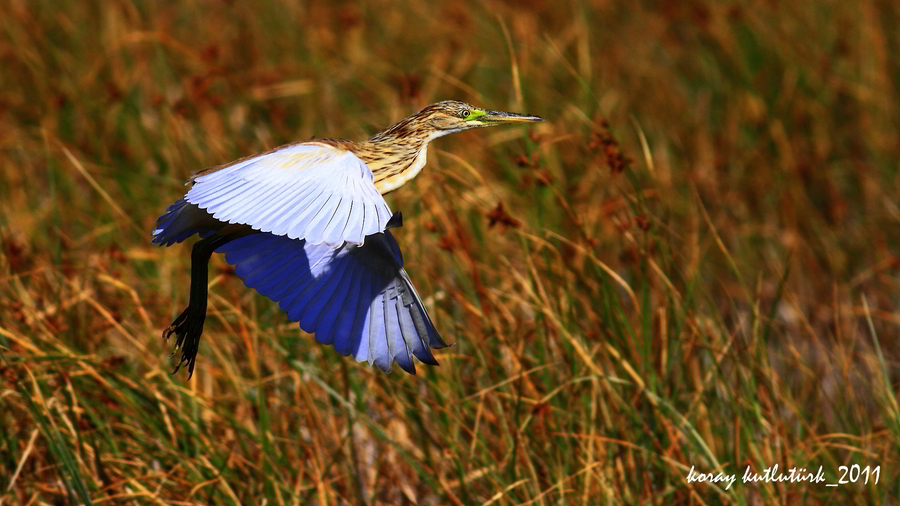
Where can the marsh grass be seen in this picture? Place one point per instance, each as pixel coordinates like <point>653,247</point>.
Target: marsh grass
<point>692,263</point>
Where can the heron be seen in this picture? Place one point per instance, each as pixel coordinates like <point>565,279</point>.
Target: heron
<point>306,225</point>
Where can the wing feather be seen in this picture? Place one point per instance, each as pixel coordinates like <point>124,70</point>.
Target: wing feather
<point>237,199</point>
<point>325,302</point>
<point>414,331</point>
<point>304,214</point>
<point>213,193</point>
<point>284,212</point>
<point>337,224</point>
<point>280,205</point>
<point>321,215</point>
<point>329,318</point>
<point>265,203</point>
<point>411,337</point>
<point>304,310</point>
<point>379,353</point>
<point>354,229</point>
<point>348,313</point>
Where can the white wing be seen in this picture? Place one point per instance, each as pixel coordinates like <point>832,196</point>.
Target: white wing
<point>308,191</point>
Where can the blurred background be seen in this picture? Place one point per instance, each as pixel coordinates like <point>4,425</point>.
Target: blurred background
<point>692,263</point>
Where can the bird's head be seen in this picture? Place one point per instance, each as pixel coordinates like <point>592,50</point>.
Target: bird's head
<point>448,117</point>
<point>452,116</point>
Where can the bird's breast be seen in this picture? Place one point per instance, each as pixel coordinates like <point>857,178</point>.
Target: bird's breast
<point>393,174</point>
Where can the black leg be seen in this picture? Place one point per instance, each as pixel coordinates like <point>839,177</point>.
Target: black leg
<point>189,325</point>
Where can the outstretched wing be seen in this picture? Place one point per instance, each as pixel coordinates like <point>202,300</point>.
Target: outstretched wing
<point>311,191</point>
<point>357,298</point>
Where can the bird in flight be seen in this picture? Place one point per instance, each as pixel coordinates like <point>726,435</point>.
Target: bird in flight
<point>305,224</point>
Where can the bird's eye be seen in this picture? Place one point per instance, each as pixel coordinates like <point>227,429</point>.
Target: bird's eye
<point>465,114</point>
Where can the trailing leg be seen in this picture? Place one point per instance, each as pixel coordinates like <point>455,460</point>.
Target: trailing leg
<point>189,325</point>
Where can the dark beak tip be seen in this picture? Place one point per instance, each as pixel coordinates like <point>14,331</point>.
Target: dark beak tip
<point>511,117</point>
<point>531,119</point>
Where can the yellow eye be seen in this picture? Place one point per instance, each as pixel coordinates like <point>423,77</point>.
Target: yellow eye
<point>465,114</point>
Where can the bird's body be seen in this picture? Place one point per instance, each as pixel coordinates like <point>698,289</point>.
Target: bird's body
<point>306,225</point>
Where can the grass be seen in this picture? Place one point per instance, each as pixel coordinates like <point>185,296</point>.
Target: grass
<point>692,264</point>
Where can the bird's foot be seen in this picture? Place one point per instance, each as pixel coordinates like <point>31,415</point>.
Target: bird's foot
<point>187,327</point>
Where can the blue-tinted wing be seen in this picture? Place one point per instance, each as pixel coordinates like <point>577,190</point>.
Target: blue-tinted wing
<point>357,298</point>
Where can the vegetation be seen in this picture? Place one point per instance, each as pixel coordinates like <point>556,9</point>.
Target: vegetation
<point>693,263</point>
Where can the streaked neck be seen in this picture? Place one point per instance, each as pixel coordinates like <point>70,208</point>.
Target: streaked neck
<point>396,155</point>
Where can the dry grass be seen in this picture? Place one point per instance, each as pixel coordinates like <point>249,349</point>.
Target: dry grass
<point>693,263</point>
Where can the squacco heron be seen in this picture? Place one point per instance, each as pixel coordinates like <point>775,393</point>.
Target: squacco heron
<point>306,225</point>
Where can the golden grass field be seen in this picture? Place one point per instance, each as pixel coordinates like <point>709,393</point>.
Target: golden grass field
<point>693,263</point>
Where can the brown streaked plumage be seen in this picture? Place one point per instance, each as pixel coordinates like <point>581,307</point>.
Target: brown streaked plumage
<point>399,153</point>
